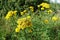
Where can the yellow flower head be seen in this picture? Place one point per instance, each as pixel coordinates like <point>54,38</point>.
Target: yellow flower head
<point>24,22</point>
<point>54,18</point>
<point>31,7</point>
<point>22,13</point>
<point>9,14</point>
<point>45,5</point>
<point>17,30</point>
<point>29,17</point>
<point>38,6</point>
<point>42,4</point>
<point>49,11</point>
<point>46,21</point>
<point>32,10</point>
<point>19,26</point>
<point>23,26</point>
<point>14,12</point>
<point>42,8</point>
<point>25,11</point>
<point>7,17</point>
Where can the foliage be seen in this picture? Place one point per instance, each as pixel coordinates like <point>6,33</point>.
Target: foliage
<point>18,21</point>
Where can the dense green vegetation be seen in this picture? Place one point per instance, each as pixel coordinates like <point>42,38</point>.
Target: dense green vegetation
<point>36,21</point>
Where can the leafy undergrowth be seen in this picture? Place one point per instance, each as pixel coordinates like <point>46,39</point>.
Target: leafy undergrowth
<point>44,24</point>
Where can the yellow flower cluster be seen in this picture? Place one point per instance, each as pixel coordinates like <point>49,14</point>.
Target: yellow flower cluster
<point>23,23</point>
<point>22,13</point>
<point>44,5</point>
<point>31,8</point>
<point>9,14</point>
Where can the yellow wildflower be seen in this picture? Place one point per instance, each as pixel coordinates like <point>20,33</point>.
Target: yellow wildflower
<point>17,30</point>
<point>14,12</point>
<point>42,8</point>
<point>7,17</point>
<point>23,26</point>
<point>54,18</point>
<point>25,11</point>
<point>9,14</point>
<point>22,13</point>
<point>49,11</point>
<point>45,5</point>
<point>32,10</point>
<point>29,17</point>
<point>24,22</point>
<point>23,19</point>
<point>42,4</point>
<point>38,6</point>
<point>46,21</point>
<point>19,26</point>
<point>18,21</point>
<point>31,7</point>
